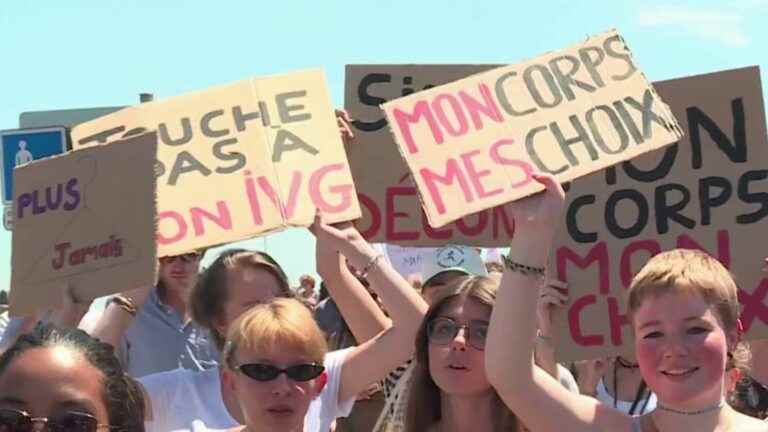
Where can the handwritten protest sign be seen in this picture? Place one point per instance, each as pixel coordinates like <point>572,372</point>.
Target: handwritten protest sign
<point>406,260</point>
<point>708,192</point>
<point>240,160</point>
<point>474,143</point>
<point>391,209</point>
<point>86,219</point>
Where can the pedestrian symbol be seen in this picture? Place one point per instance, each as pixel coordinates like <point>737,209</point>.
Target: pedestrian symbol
<point>21,146</point>
<point>23,155</point>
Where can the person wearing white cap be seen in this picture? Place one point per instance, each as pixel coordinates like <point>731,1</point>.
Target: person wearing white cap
<point>441,266</point>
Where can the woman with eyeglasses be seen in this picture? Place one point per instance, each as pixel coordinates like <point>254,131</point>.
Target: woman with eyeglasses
<point>62,380</point>
<point>449,391</point>
<point>151,328</point>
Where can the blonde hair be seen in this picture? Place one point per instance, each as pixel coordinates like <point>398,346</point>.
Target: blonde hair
<point>281,323</point>
<point>423,406</point>
<point>692,272</point>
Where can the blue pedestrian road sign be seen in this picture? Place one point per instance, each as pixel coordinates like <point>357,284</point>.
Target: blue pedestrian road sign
<point>20,146</point>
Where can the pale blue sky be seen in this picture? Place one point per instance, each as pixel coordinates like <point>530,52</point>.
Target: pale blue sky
<point>77,54</point>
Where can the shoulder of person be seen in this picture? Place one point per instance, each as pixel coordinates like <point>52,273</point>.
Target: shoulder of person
<point>335,358</point>
<point>745,423</point>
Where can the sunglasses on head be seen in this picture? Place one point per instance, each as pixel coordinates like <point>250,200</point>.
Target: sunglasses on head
<point>441,331</point>
<point>186,258</point>
<point>12,420</point>
<point>264,372</point>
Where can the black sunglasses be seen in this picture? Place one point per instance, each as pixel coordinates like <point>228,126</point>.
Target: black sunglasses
<point>265,372</point>
<point>441,331</point>
<point>12,420</point>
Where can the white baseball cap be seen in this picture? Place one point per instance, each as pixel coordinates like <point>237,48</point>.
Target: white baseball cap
<point>462,259</point>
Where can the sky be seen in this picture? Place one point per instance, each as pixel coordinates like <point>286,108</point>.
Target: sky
<point>81,54</point>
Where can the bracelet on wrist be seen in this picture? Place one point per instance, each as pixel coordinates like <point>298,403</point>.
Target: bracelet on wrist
<point>522,269</point>
<point>542,338</point>
<point>368,267</point>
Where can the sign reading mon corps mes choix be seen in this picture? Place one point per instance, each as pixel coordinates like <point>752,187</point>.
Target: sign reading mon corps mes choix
<point>474,143</point>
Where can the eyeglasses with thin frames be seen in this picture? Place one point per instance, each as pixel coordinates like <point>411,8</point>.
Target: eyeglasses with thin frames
<point>443,330</point>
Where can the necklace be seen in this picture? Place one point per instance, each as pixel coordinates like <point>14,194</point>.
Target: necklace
<point>715,407</point>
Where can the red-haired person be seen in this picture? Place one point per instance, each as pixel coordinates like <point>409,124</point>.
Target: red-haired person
<point>683,309</point>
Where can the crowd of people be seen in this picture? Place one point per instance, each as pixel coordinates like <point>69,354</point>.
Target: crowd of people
<point>468,347</point>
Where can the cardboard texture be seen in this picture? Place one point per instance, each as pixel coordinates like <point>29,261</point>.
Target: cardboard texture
<point>710,191</point>
<point>84,219</point>
<point>474,143</point>
<point>392,212</point>
<point>240,160</point>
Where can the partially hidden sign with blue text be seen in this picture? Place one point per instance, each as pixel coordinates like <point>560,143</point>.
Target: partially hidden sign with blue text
<point>85,220</point>
<point>473,144</point>
<point>239,160</point>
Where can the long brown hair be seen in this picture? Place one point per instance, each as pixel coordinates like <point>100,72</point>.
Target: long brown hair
<point>424,408</point>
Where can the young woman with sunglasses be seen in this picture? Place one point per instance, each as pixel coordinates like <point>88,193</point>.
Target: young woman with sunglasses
<point>349,371</point>
<point>185,400</point>
<point>62,380</point>
<point>682,306</point>
<point>277,369</point>
<point>151,327</point>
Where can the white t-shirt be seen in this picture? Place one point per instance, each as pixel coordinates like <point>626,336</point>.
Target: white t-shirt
<point>190,401</point>
<point>642,407</point>
<point>566,379</point>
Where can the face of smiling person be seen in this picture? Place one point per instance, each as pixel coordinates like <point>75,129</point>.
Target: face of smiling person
<point>280,404</point>
<point>49,381</point>
<point>682,350</point>
<point>457,367</point>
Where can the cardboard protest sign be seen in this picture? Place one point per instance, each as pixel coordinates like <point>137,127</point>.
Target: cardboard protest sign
<point>239,160</point>
<point>86,219</point>
<point>474,143</point>
<point>709,192</point>
<point>406,260</point>
<point>392,212</point>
